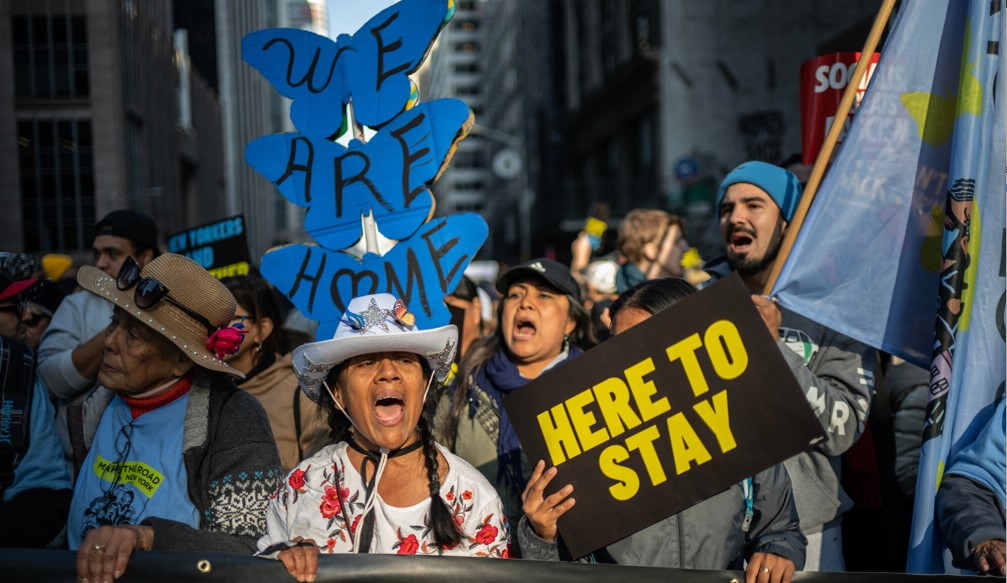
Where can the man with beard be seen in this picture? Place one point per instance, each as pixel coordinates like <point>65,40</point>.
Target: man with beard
<point>756,202</point>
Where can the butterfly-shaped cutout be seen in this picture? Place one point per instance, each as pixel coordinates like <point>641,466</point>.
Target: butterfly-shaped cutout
<point>388,176</point>
<point>321,75</point>
<point>420,270</point>
<point>403,315</point>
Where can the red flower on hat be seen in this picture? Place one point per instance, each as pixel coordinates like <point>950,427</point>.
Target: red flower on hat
<point>226,341</point>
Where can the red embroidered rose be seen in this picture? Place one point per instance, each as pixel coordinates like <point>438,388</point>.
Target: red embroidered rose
<point>487,534</point>
<point>296,480</point>
<point>450,496</point>
<point>356,521</point>
<point>225,341</point>
<point>459,519</point>
<point>409,545</point>
<point>505,553</point>
<point>466,495</point>
<point>330,544</point>
<point>330,502</point>
<point>449,546</point>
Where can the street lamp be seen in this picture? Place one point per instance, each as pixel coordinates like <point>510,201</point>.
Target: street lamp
<point>507,164</point>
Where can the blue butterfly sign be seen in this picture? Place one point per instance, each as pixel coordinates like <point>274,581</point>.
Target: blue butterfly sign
<point>421,271</point>
<point>370,68</point>
<point>386,178</point>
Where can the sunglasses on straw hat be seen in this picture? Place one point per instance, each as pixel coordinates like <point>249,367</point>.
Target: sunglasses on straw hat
<point>149,291</point>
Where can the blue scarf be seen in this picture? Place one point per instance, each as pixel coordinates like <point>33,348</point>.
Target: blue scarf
<point>628,276</point>
<point>499,377</point>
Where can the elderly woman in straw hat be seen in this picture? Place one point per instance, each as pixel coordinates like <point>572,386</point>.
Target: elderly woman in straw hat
<point>384,486</point>
<point>182,459</point>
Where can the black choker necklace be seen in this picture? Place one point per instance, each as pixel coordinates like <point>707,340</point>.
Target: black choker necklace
<point>367,526</point>
<point>376,456</point>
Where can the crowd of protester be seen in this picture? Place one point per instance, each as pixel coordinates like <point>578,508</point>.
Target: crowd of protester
<point>170,411</point>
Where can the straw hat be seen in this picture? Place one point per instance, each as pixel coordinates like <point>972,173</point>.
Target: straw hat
<point>374,323</point>
<point>188,285</point>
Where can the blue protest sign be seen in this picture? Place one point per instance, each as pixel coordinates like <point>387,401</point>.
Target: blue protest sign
<point>372,66</point>
<point>388,176</point>
<point>420,270</point>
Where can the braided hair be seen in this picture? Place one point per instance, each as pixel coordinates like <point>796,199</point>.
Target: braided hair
<point>442,524</point>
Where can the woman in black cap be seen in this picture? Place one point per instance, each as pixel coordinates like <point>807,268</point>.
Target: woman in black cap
<point>542,324</point>
<point>752,525</point>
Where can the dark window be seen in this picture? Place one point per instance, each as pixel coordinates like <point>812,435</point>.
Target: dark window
<point>467,91</point>
<point>469,207</point>
<point>55,161</point>
<point>644,16</point>
<point>465,25</point>
<point>466,47</point>
<point>609,36</point>
<point>474,159</point>
<point>50,56</point>
<point>470,185</point>
<point>466,67</point>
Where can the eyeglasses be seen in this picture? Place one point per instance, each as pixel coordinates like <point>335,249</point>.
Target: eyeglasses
<point>123,446</point>
<point>149,291</point>
<point>241,319</point>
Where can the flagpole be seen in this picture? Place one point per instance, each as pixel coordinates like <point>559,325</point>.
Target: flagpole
<point>825,154</point>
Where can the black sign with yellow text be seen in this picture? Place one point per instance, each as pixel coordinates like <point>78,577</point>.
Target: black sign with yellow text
<point>221,247</point>
<point>664,415</point>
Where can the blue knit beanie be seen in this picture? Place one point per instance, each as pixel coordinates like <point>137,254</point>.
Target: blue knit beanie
<point>780,184</point>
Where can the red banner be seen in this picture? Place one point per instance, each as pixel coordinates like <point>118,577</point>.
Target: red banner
<point>823,81</point>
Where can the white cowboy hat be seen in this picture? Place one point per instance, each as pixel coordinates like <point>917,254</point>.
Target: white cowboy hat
<point>374,323</point>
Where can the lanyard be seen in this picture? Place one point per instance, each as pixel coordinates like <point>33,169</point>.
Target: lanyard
<point>746,487</point>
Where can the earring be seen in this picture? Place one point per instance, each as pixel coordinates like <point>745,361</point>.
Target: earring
<point>258,348</point>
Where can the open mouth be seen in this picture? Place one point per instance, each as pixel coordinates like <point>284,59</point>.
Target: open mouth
<point>524,329</point>
<point>741,242</point>
<point>389,409</point>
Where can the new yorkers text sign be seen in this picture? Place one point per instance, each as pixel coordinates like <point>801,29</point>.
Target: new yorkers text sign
<point>221,247</point>
<point>664,415</point>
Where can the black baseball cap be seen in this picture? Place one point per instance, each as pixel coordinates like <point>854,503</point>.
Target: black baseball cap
<point>553,272</point>
<point>140,229</point>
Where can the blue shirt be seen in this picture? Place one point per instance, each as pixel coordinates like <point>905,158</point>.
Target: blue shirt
<point>983,460</point>
<point>42,465</point>
<point>133,471</point>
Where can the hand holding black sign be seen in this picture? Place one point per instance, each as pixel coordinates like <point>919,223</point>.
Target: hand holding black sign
<point>665,415</point>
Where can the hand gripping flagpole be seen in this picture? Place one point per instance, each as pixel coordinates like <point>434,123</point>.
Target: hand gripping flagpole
<point>825,154</point>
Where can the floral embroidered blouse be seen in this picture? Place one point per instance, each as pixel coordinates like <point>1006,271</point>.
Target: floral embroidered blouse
<point>308,505</point>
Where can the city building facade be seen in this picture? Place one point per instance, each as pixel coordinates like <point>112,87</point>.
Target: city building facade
<point>454,70</point>
<point>90,106</point>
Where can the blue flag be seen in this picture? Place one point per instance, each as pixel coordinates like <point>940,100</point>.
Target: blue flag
<point>866,260</point>
<point>912,205</point>
<point>967,372</point>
